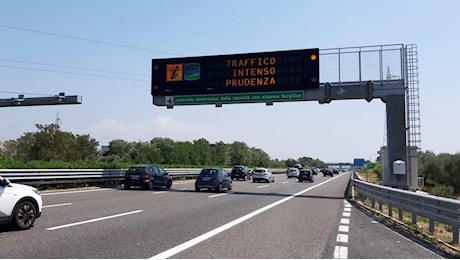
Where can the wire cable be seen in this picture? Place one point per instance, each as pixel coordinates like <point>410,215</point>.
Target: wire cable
<point>87,40</point>
<point>72,67</point>
<point>74,73</point>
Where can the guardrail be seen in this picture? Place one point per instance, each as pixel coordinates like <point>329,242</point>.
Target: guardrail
<point>43,178</point>
<point>69,177</point>
<point>435,209</point>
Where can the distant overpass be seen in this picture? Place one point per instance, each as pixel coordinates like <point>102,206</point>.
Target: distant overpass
<point>339,164</point>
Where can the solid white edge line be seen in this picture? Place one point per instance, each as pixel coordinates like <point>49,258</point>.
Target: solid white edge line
<point>158,192</point>
<point>94,220</point>
<point>179,248</point>
<point>57,205</point>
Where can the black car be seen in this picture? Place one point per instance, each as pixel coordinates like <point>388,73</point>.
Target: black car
<point>306,174</point>
<point>240,172</point>
<point>213,179</point>
<point>147,176</point>
<point>327,171</point>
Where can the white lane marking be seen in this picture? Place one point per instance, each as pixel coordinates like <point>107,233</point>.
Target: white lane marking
<point>179,248</point>
<point>158,192</point>
<point>342,238</point>
<point>68,192</point>
<point>346,214</point>
<point>345,221</point>
<point>263,186</point>
<point>347,209</point>
<point>183,189</point>
<point>217,195</point>
<point>57,205</point>
<point>343,228</point>
<point>341,252</point>
<point>94,220</point>
<point>285,182</point>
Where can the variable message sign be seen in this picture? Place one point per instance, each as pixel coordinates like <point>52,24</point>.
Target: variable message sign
<point>238,73</point>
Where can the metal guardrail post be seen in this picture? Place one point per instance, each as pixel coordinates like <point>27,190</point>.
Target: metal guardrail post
<point>435,209</point>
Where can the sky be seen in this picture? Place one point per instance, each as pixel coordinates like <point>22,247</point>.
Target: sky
<point>103,50</point>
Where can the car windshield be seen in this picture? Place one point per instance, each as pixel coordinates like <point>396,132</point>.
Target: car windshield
<point>208,172</point>
<point>259,170</point>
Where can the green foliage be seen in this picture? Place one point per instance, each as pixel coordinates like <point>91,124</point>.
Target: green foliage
<point>49,147</point>
<point>442,191</point>
<point>49,143</point>
<point>441,173</point>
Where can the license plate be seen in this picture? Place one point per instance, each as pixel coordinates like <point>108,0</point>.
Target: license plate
<point>205,178</point>
<point>134,177</point>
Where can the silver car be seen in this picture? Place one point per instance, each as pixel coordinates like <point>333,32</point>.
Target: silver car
<point>263,174</point>
<point>292,172</point>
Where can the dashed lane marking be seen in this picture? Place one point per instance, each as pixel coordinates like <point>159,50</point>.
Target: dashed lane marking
<point>341,252</point>
<point>94,220</point>
<point>217,195</point>
<point>57,205</point>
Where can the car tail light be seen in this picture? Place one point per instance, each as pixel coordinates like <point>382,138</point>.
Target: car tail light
<point>127,175</point>
<point>145,177</point>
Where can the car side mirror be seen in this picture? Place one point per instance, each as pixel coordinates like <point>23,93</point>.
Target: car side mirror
<point>4,182</point>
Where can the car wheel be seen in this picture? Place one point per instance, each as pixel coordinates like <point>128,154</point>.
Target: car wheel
<point>25,214</point>
<point>253,180</point>
<point>230,186</point>
<point>300,180</point>
<point>219,187</point>
<point>151,185</point>
<point>197,189</point>
<point>168,186</point>
<point>127,186</point>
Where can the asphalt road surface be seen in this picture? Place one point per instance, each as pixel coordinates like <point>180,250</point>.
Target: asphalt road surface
<point>284,219</point>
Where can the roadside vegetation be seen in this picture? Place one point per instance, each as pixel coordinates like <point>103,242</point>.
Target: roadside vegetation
<point>49,147</point>
<point>441,173</point>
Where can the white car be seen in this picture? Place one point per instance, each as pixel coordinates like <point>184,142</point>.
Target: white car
<point>292,172</point>
<point>20,205</point>
<point>263,174</point>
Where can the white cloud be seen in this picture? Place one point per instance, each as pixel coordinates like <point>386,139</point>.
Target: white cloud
<point>110,129</point>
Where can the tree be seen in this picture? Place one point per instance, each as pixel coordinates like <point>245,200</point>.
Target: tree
<point>219,154</point>
<point>239,154</point>
<point>203,150</point>
<point>118,147</point>
<point>8,149</point>
<point>259,157</point>
<point>49,143</point>
<point>166,149</point>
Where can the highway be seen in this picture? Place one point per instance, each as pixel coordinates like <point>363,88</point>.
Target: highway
<point>284,219</point>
